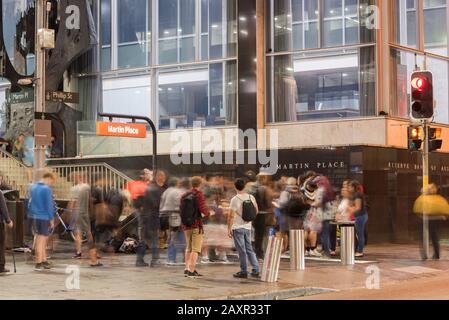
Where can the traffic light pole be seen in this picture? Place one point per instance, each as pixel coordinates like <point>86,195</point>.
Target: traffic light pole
<point>425,163</point>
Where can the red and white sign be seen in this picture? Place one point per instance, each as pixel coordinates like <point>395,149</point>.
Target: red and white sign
<point>113,129</point>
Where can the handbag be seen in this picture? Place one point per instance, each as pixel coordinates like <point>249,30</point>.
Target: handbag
<point>104,215</point>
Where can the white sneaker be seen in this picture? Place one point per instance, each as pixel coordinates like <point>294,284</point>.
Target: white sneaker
<point>315,253</point>
<point>205,261</point>
<point>307,253</point>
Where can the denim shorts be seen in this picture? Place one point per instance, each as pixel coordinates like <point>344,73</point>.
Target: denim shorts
<point>41,227</point>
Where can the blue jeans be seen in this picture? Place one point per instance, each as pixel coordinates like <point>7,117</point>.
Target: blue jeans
<point>360,223</point>
<point>148,235</point>
<point>177,244</point>
<point>325,237</point>
<point>242,240</point>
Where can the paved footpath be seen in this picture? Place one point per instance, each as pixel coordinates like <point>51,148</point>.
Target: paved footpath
<point>119,279</point>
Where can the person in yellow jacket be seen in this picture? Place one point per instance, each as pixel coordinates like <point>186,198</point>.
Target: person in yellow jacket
<point>436,208</point>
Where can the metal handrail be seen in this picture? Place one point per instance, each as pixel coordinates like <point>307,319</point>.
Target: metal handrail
<point>112,179</point>
<point>18,181</point>
<point>8,155</point>
<point>100,164</point>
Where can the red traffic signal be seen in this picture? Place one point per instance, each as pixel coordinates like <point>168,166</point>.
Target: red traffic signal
<point>422,95</point>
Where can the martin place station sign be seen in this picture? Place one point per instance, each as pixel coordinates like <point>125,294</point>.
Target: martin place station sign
<point>126,130</point>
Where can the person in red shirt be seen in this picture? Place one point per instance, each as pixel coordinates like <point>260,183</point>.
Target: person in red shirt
<point>194,234</point>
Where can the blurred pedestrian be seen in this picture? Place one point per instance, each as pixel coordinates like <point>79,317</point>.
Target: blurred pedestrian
<point>361,215</point>
<point>312,223</point>
<point>80,206</point>
<point>19,147</point>
<point>5,221</point>
<point>42,209</point>
<point>436,208</point>
<point>170,206</point>
<point>263,193</point>
<point>149,221</point>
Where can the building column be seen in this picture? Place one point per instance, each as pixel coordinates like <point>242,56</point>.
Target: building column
<point>384,92</point>
<point>247,65</point>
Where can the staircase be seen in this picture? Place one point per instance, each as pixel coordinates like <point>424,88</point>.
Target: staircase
<point>14,173</point>
<point>19,177</point>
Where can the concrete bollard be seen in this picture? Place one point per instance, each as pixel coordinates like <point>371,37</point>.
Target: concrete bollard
<point>272,261</point>
<point>297,254</point>
<point>347,245</point>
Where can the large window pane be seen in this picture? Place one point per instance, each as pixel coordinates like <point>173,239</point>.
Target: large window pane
<point>105,35</point>
<point>168,18</point>
<point>198,96</point>
<point>405,65</point>
<point>132,33</point>
<point>321,85</point>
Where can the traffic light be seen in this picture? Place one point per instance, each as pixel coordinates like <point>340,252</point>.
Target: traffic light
<point>422,95</point>
<point>415,138</point>
<point>435,142</point>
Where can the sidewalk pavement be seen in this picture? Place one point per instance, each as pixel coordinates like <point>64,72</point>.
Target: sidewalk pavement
<point>119,279</point>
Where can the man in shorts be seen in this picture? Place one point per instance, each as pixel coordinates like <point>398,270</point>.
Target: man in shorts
<point>42,209</point>
<point>80,208</point>
<point>194,234</point>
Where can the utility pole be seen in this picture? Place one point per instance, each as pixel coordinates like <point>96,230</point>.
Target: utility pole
<point>39,84</point>
<point>425,165</point>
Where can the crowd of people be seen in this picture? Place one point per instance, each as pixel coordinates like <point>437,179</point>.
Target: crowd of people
<point>202,219</point>
<point>219,225</point>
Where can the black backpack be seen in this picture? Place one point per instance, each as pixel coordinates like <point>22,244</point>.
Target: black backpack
<point>249,212</point>
<point>189,209</point>
<point>296,205</point>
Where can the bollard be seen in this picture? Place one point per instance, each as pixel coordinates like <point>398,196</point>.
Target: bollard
<point>272,261</point>
<point>347,245</point>
<point>297,255</point>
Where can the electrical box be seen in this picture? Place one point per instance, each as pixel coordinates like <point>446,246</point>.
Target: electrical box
<point>46,38</point>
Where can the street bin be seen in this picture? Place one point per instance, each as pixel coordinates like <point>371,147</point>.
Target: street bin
<point>348,244</point>
<point>16,209</point>
<point>297,254</point>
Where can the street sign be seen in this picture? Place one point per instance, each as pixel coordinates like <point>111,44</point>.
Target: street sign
<point>24,96</point>
<point>63,97</point>
<point>113,129</point>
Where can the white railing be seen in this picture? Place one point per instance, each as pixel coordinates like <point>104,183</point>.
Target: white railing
<point>14,173</point>
<point>17,176</point>
<point>109,177</point>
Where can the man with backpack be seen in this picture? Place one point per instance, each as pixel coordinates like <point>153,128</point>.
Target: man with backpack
<point>193,208</point>
<point>244,211</point>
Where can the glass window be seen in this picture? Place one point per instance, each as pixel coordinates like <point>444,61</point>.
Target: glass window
<point>128,95</point>
<point>132,29</point>
<point>338,84</point>
<point>405,65</point>
<point>295,24</point>
<point>105,34</point>
<point>168,18</point>
<point>435,24</point>
<point>200,96</point>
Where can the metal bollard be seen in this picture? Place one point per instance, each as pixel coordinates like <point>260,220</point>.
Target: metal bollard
<point>297,255</point>
<point>347,245</point>
<point>272,261</point>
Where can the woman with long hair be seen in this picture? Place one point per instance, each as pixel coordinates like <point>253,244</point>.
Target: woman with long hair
<point>361,215</point>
